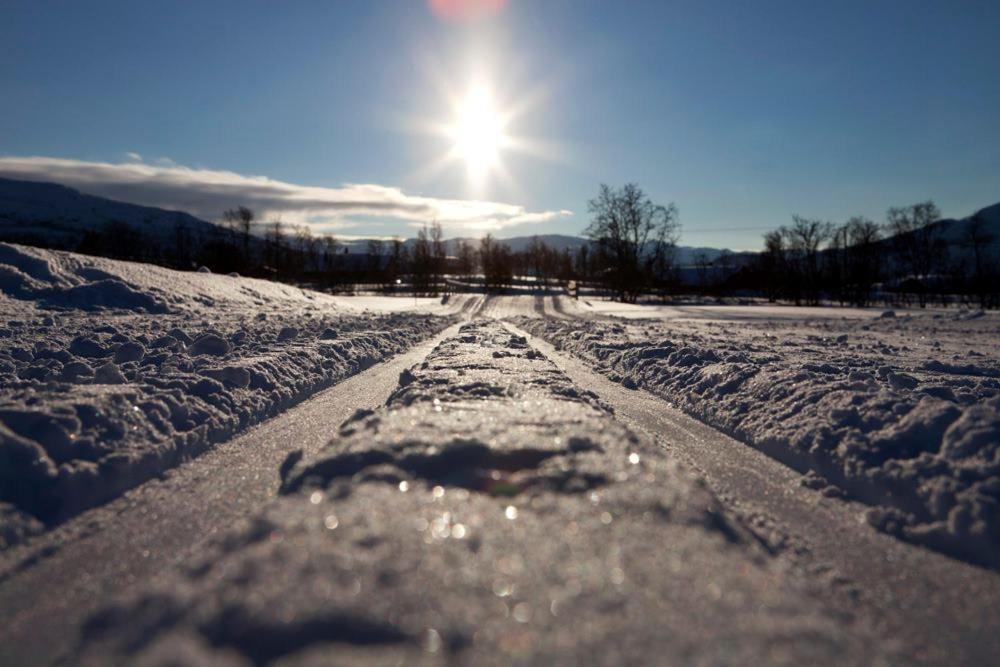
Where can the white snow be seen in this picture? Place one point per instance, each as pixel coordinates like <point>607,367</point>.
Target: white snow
<point>491,513</point>
<point>112,372</point>
<point>902,413</point>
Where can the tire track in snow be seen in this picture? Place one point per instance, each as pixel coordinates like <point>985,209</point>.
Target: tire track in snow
<point>485,515</point>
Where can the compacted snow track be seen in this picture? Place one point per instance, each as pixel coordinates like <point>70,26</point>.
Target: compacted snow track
<point>491,512</point>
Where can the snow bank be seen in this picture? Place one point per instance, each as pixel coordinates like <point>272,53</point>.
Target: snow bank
<point>62,280</point>
<point>487,515</point>
<point>91,406</point>
<point>89,410</point>
<point>858,404</point>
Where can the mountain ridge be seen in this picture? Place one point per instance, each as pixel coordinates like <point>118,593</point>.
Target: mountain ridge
<point>55,215</point>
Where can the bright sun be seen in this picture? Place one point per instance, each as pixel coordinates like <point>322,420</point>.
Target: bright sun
<point>478,132</point>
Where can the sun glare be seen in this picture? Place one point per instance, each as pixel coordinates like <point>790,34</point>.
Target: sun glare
<point>477,128</point>
<point>477,132</point>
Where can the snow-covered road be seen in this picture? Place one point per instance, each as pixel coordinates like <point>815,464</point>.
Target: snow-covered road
<point>499,500</point>
<point>491,512</point>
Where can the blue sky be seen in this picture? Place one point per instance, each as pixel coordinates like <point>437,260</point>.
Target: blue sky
<point>740,113</point>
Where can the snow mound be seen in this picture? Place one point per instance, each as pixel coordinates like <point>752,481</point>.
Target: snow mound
<point>53,279</point>
<point>176,362</point>
<point>916,440</point>
<point>31,276</point>
<point>89,410</point>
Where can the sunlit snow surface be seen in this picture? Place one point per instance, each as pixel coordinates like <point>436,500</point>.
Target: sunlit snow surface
<point>899,410</point>
<point>112,372</point>
<point>490,513</point>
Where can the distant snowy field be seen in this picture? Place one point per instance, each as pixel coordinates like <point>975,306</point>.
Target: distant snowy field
<point>899,410</point>
<point>112,372</point>
<point>632,311</point>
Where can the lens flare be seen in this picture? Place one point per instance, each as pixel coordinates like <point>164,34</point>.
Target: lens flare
<point>465,10</point>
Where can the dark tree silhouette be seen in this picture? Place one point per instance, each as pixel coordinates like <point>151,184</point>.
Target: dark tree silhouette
<point>374,252</point>
<point>984,281</point>
<point>804,239</point>
<point>396,265</point>
<point>439,256</point>
<point>632,234</point>
<point>774,265</point>
<point>920,250</point>
<point>240,220</point>
<point>274,239</point>
<point>863,259</point>
<point>423,262</point>
<point>465,259</point>
<point>497,262</point>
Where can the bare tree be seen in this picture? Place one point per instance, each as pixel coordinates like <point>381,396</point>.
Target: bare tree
<point>240,220</point>
<point>863,258</point>
<point>423,262</point>
<point>275,239</point>
<point>804,239</point>
<point>774,264</point>
<point>540,261</point>
<point>920,250</point>
<point>465,256</point>
<point>375,250</point>
<point>330,259</point>
<point>631,233</point>
<point>583,262</point>
<point>497,261</point>
<point>979,241</point>
<point>396,265</point>
<point>439,255</point>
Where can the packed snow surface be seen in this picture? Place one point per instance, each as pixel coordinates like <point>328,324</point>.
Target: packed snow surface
<point>900,411</point>
<point>112,372</point>
<point>492,512</point>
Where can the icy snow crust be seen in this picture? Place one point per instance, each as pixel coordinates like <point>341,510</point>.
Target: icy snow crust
<point>490,513</point>
<point>94,403</point>
<point>902,413</point>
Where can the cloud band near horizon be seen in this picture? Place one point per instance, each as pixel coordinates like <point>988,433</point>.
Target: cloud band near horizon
<point>206,193</point>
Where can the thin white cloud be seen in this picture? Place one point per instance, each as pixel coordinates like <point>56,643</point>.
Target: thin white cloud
<point>207,193</point>
<point>134,156</point>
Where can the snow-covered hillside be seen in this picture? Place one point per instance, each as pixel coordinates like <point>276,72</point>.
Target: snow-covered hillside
<point>956,232</point>
<point>56,215</point>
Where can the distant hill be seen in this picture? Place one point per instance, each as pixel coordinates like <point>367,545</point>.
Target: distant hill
<point>956,232</point>
<point>54,215</point>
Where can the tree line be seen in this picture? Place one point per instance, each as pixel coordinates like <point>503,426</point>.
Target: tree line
<point>906,260</point>
<point>631,252</point>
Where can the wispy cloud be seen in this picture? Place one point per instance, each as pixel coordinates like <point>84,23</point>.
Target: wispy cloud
<point>206,193</point>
